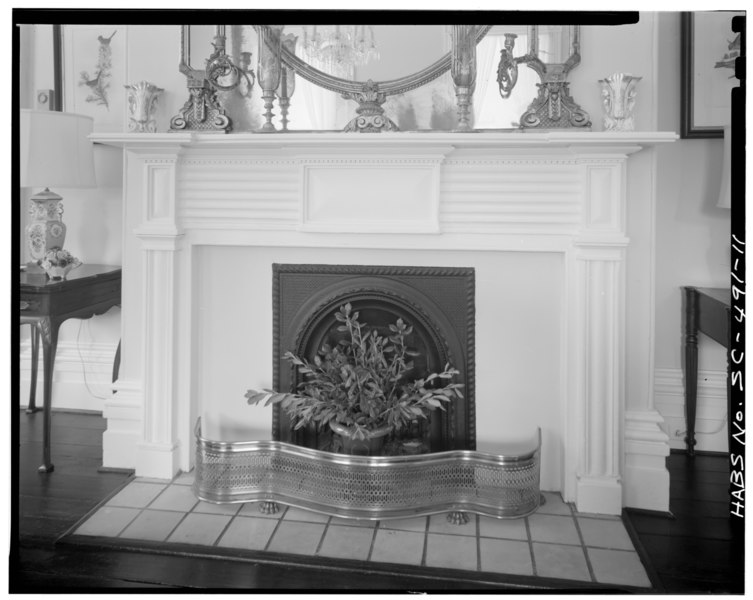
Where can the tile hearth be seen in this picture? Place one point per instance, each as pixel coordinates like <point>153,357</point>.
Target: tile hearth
<point>555,542</point>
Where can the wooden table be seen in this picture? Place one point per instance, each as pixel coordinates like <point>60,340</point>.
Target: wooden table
<point>45,303</point>
<point>706,310</point>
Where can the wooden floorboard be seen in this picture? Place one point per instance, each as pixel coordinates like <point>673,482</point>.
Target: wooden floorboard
<point>695,550</point>
<point>699,548</point>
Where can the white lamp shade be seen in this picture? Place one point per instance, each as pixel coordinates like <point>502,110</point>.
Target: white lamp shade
<point>55,149</point>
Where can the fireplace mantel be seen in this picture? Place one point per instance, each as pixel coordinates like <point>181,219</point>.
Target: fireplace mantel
<point>193,201</point>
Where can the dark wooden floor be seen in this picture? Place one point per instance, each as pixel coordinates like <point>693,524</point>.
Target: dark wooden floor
<point>700,549</point>
<point>696,551</point>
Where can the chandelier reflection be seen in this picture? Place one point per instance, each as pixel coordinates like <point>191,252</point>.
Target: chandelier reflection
<point>338,49</point>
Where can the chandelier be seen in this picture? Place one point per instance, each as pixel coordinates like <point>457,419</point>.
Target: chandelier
<point>337,49</point>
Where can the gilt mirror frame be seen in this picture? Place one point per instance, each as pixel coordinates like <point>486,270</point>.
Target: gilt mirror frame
<point>388,87</point>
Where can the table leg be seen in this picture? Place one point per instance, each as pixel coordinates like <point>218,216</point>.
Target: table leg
<point>691,366</point>
<point>49,332</point>
<point>32,407</point>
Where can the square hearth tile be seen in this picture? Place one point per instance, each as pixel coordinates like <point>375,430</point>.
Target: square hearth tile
<point>154,525</point>
<point>199,529</point>
<point>296,537</point>
<point>341,541</point>
<point>562,562</point>
<point>440,524</point>
<point>451,551</point>
<point>354,522</point>
<point>216,509</point>
<point>513,529</point>
<point>506,556</point>
<point>618,567</point>
<point>408,524</point>
<point>108,521</point>
<point>249,533</point>
<point>554,529</point>
<point>137,494</point>
<point>554,505</point>
<point>601,533</point>
<point>184,479</point>
<point>175,497</point>
<point>395,546</point>
<point>253,509</point>
<point>308,516</point>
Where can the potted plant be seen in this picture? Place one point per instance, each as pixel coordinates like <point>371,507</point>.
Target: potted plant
<point>359,387</point>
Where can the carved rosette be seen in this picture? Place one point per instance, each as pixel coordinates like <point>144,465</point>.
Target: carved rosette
<point>554,108</point>
<point>370,113</point>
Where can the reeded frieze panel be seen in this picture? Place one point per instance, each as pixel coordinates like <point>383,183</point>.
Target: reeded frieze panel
<point>238,193</point>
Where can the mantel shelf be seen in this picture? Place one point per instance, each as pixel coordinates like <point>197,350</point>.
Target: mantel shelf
<point>563,141</point>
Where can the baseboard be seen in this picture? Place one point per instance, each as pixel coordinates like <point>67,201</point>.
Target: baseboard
<point>82,377</point>
<point>711,409</point>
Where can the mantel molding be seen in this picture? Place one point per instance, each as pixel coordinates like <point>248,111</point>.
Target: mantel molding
<point>595,142</point>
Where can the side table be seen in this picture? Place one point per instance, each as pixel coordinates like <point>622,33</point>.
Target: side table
<point>45,304</point>
<point>706,310</point>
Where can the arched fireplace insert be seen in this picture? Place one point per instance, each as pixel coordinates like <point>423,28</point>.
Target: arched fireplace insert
<point>437,301</point>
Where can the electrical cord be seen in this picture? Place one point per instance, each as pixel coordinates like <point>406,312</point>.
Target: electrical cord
<point>678,433</point>
<point>83,364</point>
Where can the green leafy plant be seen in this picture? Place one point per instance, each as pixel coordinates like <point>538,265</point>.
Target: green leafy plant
<point>361,382</point>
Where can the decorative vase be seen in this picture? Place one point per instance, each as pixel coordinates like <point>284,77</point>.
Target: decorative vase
<point>618,100</point>
<point>58,272</point>
<point>370,446</point>
<point>269,70</point>
<point>463,71</point>
<point>46,229</point>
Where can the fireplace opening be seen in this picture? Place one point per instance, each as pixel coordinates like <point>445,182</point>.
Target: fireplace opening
<point>437,301</point>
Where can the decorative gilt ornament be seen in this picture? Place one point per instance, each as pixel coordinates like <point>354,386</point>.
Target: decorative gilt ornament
<point>554,108</point>
<point>370,113</point>
<point>201,112</point>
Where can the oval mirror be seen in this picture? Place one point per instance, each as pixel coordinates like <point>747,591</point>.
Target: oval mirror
<point>411,63</point>
<point>376,52</point>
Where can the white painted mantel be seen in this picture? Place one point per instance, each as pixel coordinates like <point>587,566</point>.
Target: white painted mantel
<point>206,214</point>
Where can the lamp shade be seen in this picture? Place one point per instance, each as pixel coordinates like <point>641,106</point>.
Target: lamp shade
<point>55,149</point>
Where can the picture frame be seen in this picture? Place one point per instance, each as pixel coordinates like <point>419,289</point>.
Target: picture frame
<point>94,73</point>
<point>707,72</point>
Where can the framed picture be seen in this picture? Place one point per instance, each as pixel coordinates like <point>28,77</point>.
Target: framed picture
<point>708,51</point>
<point>94,71</point>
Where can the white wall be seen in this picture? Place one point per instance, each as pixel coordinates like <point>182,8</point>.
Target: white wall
<point>690,232</point>
<point>693,248</point>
